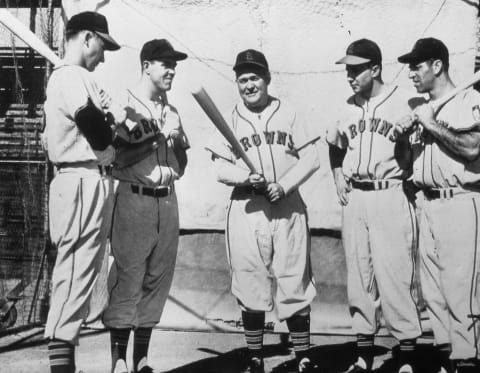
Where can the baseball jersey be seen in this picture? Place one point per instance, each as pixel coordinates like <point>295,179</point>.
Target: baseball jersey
<point>69,88</point>
<point>435,166</point>
<point>146,119</point>
<point>270,139</point>
<point>366,131</point>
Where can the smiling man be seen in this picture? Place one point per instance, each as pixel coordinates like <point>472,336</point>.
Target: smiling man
<point>446,147</point>
<point>267,231</point>
<point>370,165</point>
<point>151,157</point>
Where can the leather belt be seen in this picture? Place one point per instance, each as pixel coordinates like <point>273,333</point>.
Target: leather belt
<point>368,185</point>
<point>446,193</point>
<point>245,191</point>
<point>157,192</point>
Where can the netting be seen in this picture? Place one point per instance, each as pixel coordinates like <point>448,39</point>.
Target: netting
<point>25,256</point>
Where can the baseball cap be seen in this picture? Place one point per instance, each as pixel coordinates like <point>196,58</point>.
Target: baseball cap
<point>425,49</point>
<point>160,49</point>
<point>362,51</point>
<point>251,57</point>
<point>95,22</point>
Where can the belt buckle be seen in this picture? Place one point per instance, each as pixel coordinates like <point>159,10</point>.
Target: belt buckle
<point>161,191</point>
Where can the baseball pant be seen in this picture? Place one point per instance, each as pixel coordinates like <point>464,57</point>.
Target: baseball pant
<point>144,246</point>
<point>267,241</point>
<point>379,237</point>
<point>80,209</point>
<point>449,250</point>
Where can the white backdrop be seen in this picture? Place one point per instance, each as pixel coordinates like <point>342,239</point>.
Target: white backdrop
<point>301,39</point>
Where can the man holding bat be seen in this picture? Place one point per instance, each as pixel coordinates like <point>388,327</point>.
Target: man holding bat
<point>446,147</point>
<point>78,140</point>
<point>267,231</point>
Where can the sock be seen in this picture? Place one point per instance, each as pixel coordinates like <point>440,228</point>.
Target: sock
<point>118,344</point>
<point>467,365</point>
<point>299,327</point>
<point>141,342</point>
<point>444,350</point>
<point>253,324</point>
<point>406,351</point>
<point>62,356</point>
<point>365,349</point>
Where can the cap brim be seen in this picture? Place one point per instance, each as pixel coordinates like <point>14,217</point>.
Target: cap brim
<point>110,43</point>
<point>352,60</point>
<point>409,58</point>
<point>242,65</point>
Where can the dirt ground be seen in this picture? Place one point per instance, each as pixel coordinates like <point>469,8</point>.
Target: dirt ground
<point>200,352</point>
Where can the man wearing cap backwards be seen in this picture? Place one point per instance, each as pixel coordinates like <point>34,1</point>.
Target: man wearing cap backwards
<point>78,140</point>
<point>267,231</point>
<point>370,166</point>
<point>145,219</point>
<point>446,148</point>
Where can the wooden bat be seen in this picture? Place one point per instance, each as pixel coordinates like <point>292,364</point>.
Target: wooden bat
<point>437,105</point>
<point>28,37</point>
<point>209,107</point>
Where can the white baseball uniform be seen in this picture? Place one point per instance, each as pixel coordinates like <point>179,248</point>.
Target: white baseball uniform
<point>379,225</point>
<point>449,230</point>
<point>267,241</point>
<point>145,219</point>
<point>80,203</point>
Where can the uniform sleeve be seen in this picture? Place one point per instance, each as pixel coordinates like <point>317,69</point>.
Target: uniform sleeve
<point>469,115</point>
<point>75,90</point>
<point>302,133</point>
<point>335,136</point>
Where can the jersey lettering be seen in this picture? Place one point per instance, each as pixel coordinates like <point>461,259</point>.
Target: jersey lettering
<point>269,138</point>
<point>377,125</point>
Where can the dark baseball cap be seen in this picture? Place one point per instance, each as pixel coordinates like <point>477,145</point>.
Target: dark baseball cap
<point>159,50</point>
<point>362,51</point>
<point>424,50</point>
<point>251,57</point>
<point>95,22</point>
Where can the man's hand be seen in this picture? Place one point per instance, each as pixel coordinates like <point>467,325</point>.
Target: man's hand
<point>425,115</point>
<point>257,181</point>
<point>275,192</point>
<point>404,125</point>
<point>343,188</point>
<point>110,106</point>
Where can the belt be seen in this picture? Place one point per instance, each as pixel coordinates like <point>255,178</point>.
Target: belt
<point>368,185</point>
<point>157,192</point>
<point>245,191</point>
<point>85,166</point>
<point>446,193</point>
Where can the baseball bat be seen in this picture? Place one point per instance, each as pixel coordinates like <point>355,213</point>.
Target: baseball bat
<point>209,107</point>
<point>28,37</point>
<point>437,105</point>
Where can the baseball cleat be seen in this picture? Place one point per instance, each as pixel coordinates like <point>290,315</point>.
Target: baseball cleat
<point>405,368</point>
<point>255,365</point>
<point>306,366</point>
<point>355,368</point>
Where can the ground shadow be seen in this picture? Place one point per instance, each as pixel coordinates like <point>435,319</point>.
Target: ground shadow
<point>328,358</point>
<point>426,360</point>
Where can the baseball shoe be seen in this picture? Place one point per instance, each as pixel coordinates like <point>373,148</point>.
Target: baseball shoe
<point>120,366</point>
<point>405,368</point>
<point>306,366</point>
<point>355,368</point>
<point>255,365</point>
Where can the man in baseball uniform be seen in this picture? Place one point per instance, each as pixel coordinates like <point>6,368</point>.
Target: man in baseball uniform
<point>267,232</point>
<point>145,220</point>
<point>446,146</point>
<point>370,166</point>
<point>78,140</point>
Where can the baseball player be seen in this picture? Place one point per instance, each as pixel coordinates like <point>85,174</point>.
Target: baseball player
<point>446,148</point>
<point>370,166</point>
<point>267,232</point>
<point>145,220</point>
<point>78,141</point>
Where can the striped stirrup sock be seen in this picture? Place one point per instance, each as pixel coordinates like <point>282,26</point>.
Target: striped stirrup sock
<point>118,344</point>
<point>62,356</point>
<point>253,324</point>
<point>365,343</point>
<point>299,327</point>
